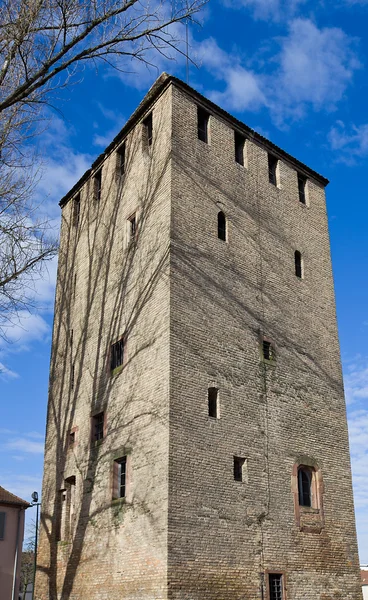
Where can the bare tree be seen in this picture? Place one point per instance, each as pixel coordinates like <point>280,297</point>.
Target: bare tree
<point>43,46</point>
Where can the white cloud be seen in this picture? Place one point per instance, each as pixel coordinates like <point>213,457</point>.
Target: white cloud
<point>356,380</point>
<point>315,67</point>
<point>6,373</point>
<point>25,445</point>
<point>350,143</point>
<point>242,86</point>
<point>311,71</point>
<point>274,10</point>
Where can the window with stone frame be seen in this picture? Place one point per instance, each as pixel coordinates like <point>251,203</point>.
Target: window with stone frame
<point>98,427</point>
<point>119,477</point>
<point>275,586</point>
<point>117,354</point>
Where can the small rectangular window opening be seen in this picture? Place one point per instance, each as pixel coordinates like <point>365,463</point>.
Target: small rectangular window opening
<point>72,377</point>
<point>298,264</point>
<point>238,468</point>
<point>2,525</point>
<point>272,169</point>
<point>117,354</point>
<point>71,439</point>
<point>120,469</point>
<point>98,185</point>
<point>239,148</point>
<point>275,586</point>
<point>132,227</point>
<point>213,402</point>
<point>203,119</point>
<point>268,350</point>
<point>120,160</point>
<point>148,130</point>
<point>301,189</point>
<point>98,427</point>
<point>76,210</point>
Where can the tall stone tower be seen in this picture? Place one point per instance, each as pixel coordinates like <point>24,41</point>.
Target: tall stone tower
<point>197,443</point>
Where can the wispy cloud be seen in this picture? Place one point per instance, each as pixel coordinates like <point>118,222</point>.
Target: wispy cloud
<point>350,143</point>
<point>274,10</point>
<point>310,70</point>
<point>25,445</point>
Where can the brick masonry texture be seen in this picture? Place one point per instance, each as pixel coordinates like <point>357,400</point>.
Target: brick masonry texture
<point>194,310</point>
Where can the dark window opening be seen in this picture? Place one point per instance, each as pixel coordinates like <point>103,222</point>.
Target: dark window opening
<point>98,427</point>
<point>305,486</point>
<point>72,377</point>
<point>301,188</point>
<point>221,226</point>
<point>272,169</point>
<point>120,160</point>
<point>213,402</point>
<point>268,350</point>
<point>120,477</point>
<point>238,468</point>
<point>239,148</point>
<point>98,184</point>
<point>117,354</point>
<point>76,210</point>
<point>275,585</point>
<point>203,119</point>
<point>72,438</point>
<point>298,264</point>
<point>148,130</point>
<point>132,227</point>
<point>2,525</point>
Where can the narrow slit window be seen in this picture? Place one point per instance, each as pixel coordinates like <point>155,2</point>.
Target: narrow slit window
<point>238,468</point>
<point>298,264</point>
<point>221,226</point>
<point>213,402</point>
<point>120,160</point>
<point>275,586</point>
<point>203,120</point>
<point>120,472</point>
<point>2,525</point>
<point>305,486</point>
<point>301,189</point>
<point>98,185</point>
<point>272,169</point>
<point>71,439</point>
<point>117,354</point>
<point>132,222</point>
<point>239,148</point>
<point>268,350</point>
<point>148,130</point>
<point>76,210</point>
<point>72,377</point>
<point>98,422</point>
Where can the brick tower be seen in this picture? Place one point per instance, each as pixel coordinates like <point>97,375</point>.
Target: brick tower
<point>197,443</point>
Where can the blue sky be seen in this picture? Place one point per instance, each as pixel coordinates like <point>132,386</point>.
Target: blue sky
<point>293,70</point>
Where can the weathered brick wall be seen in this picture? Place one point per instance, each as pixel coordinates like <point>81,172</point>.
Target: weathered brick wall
<point>117,549</point>
<point>224,534</point>
<point>195,319</point>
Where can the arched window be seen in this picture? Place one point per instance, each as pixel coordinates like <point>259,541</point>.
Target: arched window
<point>305,486</point>
<point>298,264</point>
<point>221,226</point>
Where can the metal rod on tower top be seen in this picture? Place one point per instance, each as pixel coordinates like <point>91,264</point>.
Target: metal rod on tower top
<point>187,48</point>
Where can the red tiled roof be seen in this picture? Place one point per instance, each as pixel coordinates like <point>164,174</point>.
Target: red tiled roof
<point>364,576</point>
<point>8,498</point>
